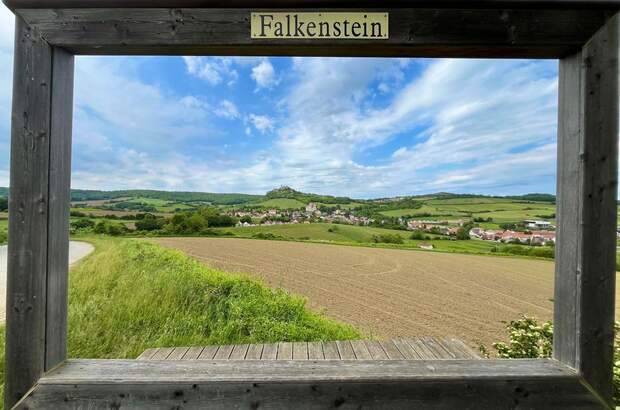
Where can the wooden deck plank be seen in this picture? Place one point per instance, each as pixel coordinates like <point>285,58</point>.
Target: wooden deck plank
<point>239,352</point>
<point>436,347</point>
<point>420,347</point>
<point>360,350</point>
<point>424,348</point>
<point>270,351</point>
<point>177,353</point>
<point>193,353</point>
<point>300,351</point>
<point>255,351</point>
<point>285,351</point>
<point>208,353</point>
<point>315,351</point>
<point>223,353</point>
<point>162,353</point>
<point>406,350</point>
<point>468,351</point>
<point>345,350</point>
<point>376,351</point>
<point>330,350</point>
<point>391,350</point>
<point>147,354</point>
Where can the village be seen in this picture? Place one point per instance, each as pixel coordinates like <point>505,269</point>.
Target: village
<point>529,232</point>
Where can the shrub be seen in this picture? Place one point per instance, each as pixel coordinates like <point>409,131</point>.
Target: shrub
<point>387,238</point>
<point>82,224</point>
<point>529,339</point>
<point>417,235</point>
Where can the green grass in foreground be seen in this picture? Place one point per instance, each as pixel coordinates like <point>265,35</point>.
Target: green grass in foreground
<point>4,231</point>
<point>130,295</point>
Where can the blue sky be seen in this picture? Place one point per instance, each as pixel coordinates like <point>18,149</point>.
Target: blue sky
<point>357,127</point>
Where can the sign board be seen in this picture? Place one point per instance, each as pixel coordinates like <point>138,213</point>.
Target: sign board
<point>320,26</point>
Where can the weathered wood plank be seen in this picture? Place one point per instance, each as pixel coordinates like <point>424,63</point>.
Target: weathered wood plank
<point>569,205</point>
<point>330,350</point>
<point>375,349</point>
<point>208,353</point>
<point>391,350</point>
<point>177,353</point>
<point>437,348</point>
<point>423,351</point>
<point>300,351</point>
<point>127,371</point>
<point>467,351</point>
<point>360,350</point>
<point>58,208</point>
<point>406,350</point>
<point>394,384</point>
<point>587,210</point>
<point>413,33</point>
<point>223,352</point>
<point>162,353</point>
<point>454,350</point>
<point>345,350</point>
<point>313,4</point>
<point>285,351</point>
<point>239,352</point>
<point>599,213</point>
<point>255,352</point>
<point>28,214</point>
<point>193,353</point>
<point>315,351</point>
<point>147,354</point>
<point>270,351</point>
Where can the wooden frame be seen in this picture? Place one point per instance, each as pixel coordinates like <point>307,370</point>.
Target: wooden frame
<point>582,34</point>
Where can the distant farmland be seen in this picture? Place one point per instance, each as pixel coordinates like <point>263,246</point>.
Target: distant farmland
<point>390,293</point>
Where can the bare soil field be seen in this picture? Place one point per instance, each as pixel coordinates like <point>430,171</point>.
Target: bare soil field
<point>391,293</point>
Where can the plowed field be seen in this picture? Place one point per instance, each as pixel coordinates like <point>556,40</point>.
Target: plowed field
<point>392,293</point>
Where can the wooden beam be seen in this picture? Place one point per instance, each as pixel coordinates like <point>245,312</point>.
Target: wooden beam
<point>587,209</point>
<point>28,213</point>
<point>59,204</point>
<point>442,384</point>
<point>413,33</point>
<point>38,217</point>
<point>489,4</point>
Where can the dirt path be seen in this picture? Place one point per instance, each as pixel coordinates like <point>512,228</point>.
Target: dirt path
<point>77,251</point>
<point>392,293</point>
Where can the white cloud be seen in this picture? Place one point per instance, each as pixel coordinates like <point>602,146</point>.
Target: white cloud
<point>264,75</point>
<point>261,122</point>
<point>227,109</point>
<point>213,70</point>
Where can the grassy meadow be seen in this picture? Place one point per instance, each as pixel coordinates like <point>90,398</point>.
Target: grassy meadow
<point>500,210</point>
<point>4,231</point>
<point>340,234</point>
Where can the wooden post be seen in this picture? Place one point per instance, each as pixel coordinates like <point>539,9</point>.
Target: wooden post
<point>38,218</point>
<point>587,209</point>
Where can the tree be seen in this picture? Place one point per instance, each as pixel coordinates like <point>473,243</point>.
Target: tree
<point>4,204</point>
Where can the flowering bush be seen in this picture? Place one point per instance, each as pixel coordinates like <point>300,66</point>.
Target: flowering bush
<point>529,339</point>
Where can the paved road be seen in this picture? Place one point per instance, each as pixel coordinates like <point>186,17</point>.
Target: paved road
<point>77,250</point>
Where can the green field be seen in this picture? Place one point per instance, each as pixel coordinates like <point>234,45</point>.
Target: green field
<point>501,210</point>
<point>318,232</point>
<point>356,235</point>
<point>283,203</point>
